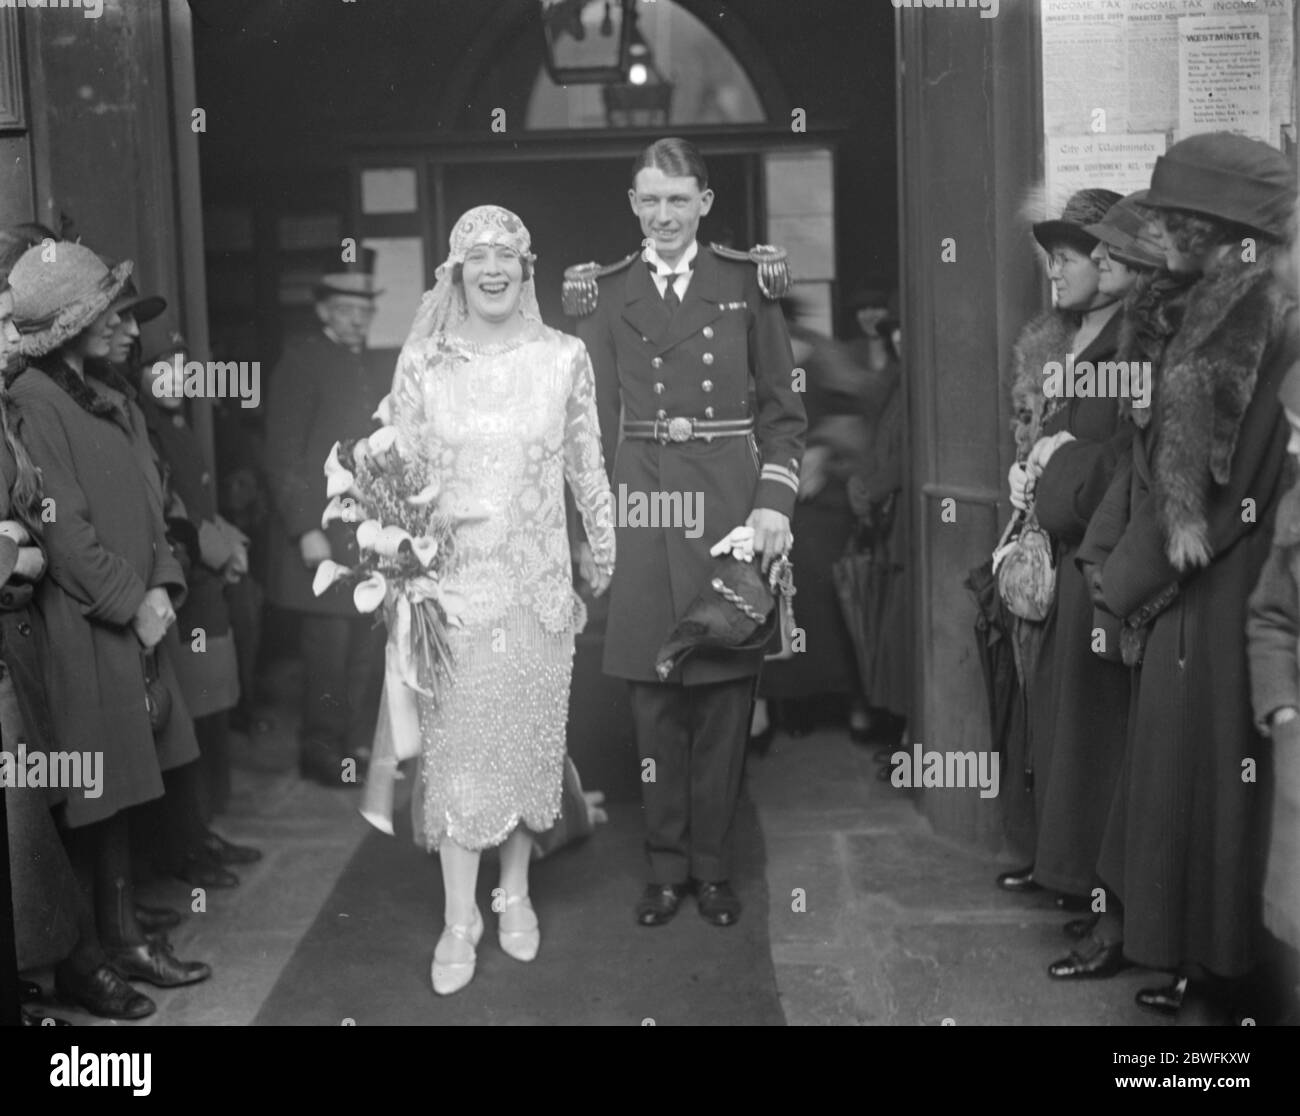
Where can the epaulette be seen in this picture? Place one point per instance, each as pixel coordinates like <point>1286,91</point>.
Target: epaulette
<point>581,287</point>
<point>772,263</point>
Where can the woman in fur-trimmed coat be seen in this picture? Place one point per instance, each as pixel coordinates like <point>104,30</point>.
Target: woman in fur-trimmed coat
<point>1178,543</point>
<point>1086,323</point>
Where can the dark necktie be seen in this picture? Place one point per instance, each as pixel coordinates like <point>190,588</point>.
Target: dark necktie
<point>670,294</point>
<point>670,288</point>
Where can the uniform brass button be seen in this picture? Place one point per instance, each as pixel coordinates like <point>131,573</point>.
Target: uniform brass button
<point>708,412</point>
<point>708,333</point>
<point>657,362</point>
<point>707,385</point>
<point>708,358</point>
<point>659,389</point>
<point>24,628</point>
<point>645,339</point>
<point>661,414</point>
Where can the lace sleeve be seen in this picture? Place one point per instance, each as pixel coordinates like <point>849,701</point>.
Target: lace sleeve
<point>407,402</point>
<point>584,463</point>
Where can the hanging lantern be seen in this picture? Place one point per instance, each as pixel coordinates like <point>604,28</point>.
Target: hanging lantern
<point>588,42</point>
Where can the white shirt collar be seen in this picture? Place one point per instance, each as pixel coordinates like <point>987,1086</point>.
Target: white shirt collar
<point>682,266</point>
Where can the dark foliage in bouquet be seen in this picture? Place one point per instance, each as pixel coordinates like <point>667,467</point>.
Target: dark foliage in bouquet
<point>406,540</point>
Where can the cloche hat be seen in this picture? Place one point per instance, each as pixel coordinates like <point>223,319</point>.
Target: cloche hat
<point>1228,176</point>
<point>1086,207</point>
<point>56,298</point>
<point>1125,232</point>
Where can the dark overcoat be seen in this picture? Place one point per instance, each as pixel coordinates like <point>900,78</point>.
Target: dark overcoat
<point>1046,338</point>
<point>1080,699</point>
<point>320,393</point>
<point>725,354</point>
<point>208,669</point>
<point>1273,640</point>
<point>107,545</point>
<point>44,889</point>
<point>1181,537</point>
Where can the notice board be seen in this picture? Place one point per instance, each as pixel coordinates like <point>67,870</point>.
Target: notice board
<point>1124,79</point>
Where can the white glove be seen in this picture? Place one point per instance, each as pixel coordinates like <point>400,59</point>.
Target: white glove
<point>740,542</point>
<point>1022,486</point>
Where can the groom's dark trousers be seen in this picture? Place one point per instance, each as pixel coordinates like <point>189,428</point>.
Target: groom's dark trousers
<point>696,738</point>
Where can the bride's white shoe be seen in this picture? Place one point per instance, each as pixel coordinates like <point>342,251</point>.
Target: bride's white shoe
<point>523,936</point>
<point>452,976</point>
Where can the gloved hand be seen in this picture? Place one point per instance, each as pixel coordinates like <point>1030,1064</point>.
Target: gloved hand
<point>1022,486</point>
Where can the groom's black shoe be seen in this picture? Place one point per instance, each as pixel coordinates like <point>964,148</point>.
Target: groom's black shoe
<point>659,903</point>
<point>718,903</point>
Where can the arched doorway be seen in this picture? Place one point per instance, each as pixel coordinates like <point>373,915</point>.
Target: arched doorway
<point>555,156</point>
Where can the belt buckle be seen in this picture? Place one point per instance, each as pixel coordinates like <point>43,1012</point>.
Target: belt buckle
<point>680,429</point>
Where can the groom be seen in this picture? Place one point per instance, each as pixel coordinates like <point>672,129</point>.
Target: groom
<point>691,343</point>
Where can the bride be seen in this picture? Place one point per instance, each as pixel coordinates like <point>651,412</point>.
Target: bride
<point>501,410</point>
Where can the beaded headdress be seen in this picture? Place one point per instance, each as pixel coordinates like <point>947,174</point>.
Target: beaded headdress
<point>444,307</point>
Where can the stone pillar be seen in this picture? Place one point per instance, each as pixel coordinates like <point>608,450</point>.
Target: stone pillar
<point>969,122</point>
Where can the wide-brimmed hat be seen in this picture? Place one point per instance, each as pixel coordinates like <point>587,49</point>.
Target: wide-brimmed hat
<point>144,308</point>
<point>1228,176</point>
<point>1086,207</point>
<point>1125,230</point>
<point>357,279</point>
<point>59,290</point>
<point>736,611</point>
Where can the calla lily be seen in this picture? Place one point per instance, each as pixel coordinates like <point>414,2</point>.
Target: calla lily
<point>339,483</point>
<point>367,533</point>
<point>426,550</point>
<point>360,452</point>
<point>332,464</point>
<point>389,541</point>
<point>370,594</point>
<point>384,413</point>
<point>382,440</point>
<point>340,507</point>
<point>426,495</point>
<point>453,605</point>
<point>327,573</point>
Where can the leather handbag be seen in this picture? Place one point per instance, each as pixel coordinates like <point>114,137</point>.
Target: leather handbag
<point>1025,566</point>
<point>157,698</point>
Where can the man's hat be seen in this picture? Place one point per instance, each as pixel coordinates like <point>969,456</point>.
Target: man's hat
<point>357,279</point>
<point>736,611</point>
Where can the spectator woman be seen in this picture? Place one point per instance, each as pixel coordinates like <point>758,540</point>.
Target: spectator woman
<point>1176,547</point>
<point>107,598</point>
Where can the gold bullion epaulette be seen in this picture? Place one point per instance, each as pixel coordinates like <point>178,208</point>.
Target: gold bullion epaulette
<point>581,287</point>
<point>772,263</point>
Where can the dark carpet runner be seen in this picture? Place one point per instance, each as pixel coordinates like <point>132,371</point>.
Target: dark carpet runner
<point>367,956</point>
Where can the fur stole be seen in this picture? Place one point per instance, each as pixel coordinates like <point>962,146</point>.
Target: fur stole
<point>1153,312</point>
<point>1234,314</point>
<point>1045,338</point>
<point>85,396</point>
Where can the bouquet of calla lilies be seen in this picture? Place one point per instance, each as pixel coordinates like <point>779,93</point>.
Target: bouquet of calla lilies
<point>405,537</point>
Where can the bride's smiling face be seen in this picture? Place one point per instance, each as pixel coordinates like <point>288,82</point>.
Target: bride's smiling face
<point>493,278</point>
